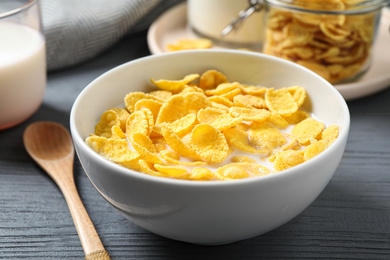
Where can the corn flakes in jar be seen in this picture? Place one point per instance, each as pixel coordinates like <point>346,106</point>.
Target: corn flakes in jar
<point>333,38</point>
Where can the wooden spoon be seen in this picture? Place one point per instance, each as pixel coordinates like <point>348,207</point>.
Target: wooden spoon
<point>50,145</point>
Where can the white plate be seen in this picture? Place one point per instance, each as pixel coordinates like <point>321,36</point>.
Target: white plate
<point>172,25</point>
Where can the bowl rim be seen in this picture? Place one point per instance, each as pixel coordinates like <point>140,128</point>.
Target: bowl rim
<point>343,133</point>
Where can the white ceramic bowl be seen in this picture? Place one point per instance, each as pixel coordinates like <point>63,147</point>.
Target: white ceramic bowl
<point>213,212</point>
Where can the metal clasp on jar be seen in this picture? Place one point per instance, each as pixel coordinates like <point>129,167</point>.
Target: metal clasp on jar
<point>254,6</point>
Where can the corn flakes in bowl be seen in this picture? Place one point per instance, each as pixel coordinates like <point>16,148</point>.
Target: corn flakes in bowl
<point>209,146</point>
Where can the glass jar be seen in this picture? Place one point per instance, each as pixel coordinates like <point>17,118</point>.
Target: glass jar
<point>333,38</point>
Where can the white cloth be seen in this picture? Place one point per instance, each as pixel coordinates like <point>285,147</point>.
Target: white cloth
<point>77,30</point>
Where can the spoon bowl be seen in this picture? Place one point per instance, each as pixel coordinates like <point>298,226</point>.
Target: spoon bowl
<point>48,141</point>
<point>50,145</point>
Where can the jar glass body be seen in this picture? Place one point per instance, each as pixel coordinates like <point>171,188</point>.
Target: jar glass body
<point>333,38</point>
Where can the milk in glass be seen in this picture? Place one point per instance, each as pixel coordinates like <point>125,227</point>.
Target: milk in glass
<point>22,72</point>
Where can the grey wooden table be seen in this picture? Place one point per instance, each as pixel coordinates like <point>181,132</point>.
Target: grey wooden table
<point>349,220</point>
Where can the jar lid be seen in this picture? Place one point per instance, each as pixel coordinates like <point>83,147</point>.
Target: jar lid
<point>330,6</point>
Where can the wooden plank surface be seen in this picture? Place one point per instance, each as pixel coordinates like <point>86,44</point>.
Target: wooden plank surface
<point>349,220</point>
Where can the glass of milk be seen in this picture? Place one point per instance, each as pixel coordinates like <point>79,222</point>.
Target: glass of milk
<point>22,61</point>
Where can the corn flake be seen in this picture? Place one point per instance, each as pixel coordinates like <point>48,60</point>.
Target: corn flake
<point>223,88</point>
<point>287,159</point>
<point>174,86</point>
<point>161,95</point>
<point>175,142</point>
<point>248,101</point>
<point>183,125</point>
<point>209,114</point>
<point>250,114</point>
<point>330,133</point>
<point>231,172</point>
<point>221,100</point>
<point>190,44</point>
<point>240,139</point>
<point>298,93</point>
<point>209,143</point>
<point>231,94</point>
<point>253,90</point>
<point>122,114</point>
<point>240,159</point>
<point>315,148</point>
<point>171,171</point>
<point>175,159</point>
<point>179,106</point>
<point>240,171</point>
<point>148,168</point>
<point>201,173</point>
<point>138,122</point>
<point>107,121</point>
<point>278,121</point>
<point>226,121</point>
<point>211,79</point>
<point>296,117</point>
<point>153,105</point>
<point>307,129</point>
<point>145,147</point>
<point>116,132</point>
<point>219,106</point>
<point>266,136</point>
<point>188,88</point>
<point>113,149</point>
<point>132,98</point>
<point>254,169</point>
<point>280,101</point>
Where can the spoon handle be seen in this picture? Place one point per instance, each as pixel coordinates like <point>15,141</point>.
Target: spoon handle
<point>93,247</point>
